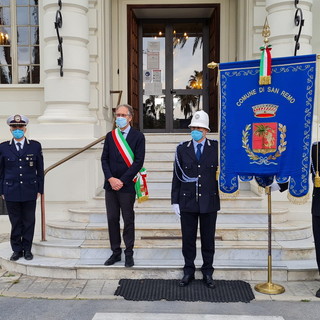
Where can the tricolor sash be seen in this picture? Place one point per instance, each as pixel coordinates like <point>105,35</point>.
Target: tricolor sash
<point>140,180</point>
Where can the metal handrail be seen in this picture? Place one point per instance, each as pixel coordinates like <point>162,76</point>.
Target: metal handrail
<point>72,155</point>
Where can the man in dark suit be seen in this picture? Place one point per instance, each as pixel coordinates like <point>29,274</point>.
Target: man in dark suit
<point>120,189</point>
<point>195,197</point>
<point>21,182</point>
<point>315,207</point>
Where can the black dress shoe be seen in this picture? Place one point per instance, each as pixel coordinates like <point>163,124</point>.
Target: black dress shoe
<point>318,294</point>
<point>28,255</point>
<point>187,278</point>
<point>129,261</point>
<point>207,279</point>
<point>16,256</point>
<point>113,259</point>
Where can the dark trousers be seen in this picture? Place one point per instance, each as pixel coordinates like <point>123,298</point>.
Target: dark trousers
<point>189,228</point>
<point>22,218</point>
<point>115,202</point>
<point>316,236</point>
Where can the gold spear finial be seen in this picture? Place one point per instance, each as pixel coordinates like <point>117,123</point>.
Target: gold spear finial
<point>266,31</point>
<point>212,65</point>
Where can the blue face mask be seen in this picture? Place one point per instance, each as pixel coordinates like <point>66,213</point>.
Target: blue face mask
<point>196,135</point>
<point>17,134</point>
<point>121,122</point>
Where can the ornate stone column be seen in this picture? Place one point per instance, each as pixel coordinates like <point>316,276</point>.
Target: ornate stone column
<point>283,29</point>
<point>67,97</point>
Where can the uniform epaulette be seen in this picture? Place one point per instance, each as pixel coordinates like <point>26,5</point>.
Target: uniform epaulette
<point>315,143</point>
<point>5,142</point>
<point>183,142</point>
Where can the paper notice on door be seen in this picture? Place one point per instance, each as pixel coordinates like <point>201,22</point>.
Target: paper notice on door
<point>153,89</point>
<point>147,75</point>
<point>153,60</point>
<point>154,46</point>
<point>156,75</point>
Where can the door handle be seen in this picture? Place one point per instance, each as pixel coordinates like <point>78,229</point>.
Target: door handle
<point>173,91</point>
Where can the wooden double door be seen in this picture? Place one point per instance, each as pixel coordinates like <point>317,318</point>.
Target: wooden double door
<point>168,78</point>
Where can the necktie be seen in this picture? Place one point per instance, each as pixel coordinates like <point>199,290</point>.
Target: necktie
<point>19,147</point>
<point>198,154</point>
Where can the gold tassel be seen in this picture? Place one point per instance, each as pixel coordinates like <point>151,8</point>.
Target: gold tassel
<point>143,199</point>
<point>217,173</point>
<point>263,80</point>
<point>317,180</point>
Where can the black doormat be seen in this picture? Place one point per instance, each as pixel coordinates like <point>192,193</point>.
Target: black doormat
<point>159,289</point>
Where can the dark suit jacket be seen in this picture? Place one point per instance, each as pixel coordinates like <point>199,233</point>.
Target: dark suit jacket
<point>113,164</point>
<point>21,177</point>
<point>315,207</point>
<point>206,198</point>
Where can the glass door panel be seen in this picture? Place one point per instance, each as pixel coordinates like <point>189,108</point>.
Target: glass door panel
<point>187,72</point>
<point>153,82</point>
<point>172,78</point>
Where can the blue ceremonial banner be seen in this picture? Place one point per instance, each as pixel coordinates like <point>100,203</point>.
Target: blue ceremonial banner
<point>265,130</point>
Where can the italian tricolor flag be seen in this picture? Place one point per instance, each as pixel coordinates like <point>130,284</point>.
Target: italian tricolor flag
<point>265,65</point>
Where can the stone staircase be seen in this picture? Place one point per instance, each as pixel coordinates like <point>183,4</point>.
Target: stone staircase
<point>78,246</point>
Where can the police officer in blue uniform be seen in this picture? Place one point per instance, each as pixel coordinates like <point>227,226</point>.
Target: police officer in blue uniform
<point>195,197</point>
<point>21,182</point>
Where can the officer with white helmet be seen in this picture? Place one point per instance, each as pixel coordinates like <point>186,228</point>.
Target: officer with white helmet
<point>195,197</point>
<point>21,182</point>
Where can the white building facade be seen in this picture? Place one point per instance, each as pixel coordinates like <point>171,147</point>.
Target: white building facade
<point>103,54</point>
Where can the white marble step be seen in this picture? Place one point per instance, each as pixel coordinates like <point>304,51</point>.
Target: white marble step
<point>176,138</point>
<point>292,230</point>
<point>148,249</point>
<point>159,196</point>
<point>166,215</point>
<point>93,268</point>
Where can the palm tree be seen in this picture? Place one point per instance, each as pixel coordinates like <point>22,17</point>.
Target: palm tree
<point>187,102</point>
<point>195,82</point>
<point>181,41</point>
<point>261,130</point>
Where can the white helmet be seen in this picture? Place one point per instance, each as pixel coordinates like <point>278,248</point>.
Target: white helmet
<point>200,119</point>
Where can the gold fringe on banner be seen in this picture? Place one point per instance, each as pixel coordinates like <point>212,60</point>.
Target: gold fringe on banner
<point>229,196</point>
<point>263,80</point>
<point>298,200</point>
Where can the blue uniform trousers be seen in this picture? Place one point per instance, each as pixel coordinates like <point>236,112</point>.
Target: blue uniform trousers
<point>316,236</point>
<point>189,228</point>
<point>22,218</point>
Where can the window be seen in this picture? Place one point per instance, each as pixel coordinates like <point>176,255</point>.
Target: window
<point>19,42</point>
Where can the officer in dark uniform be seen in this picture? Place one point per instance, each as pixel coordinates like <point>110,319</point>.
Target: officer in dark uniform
<point>315,208</point>
<point>195,197</point>
<point>21,182</point>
